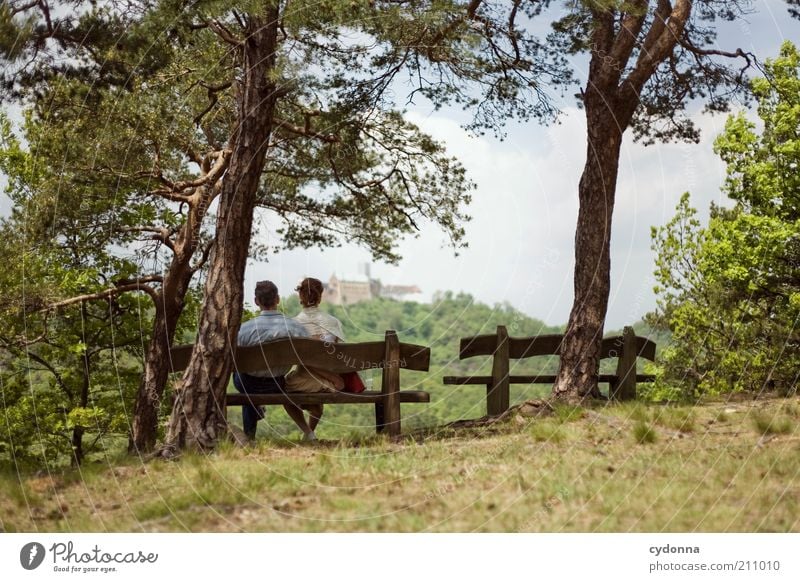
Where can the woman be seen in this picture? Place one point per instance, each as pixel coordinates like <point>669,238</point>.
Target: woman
<point>322,326</point>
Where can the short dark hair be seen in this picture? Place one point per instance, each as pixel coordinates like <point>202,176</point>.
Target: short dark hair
<point>310,291</point>
<point>266,293</point>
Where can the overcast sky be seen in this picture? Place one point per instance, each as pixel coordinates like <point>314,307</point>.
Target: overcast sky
<point>525,207</point>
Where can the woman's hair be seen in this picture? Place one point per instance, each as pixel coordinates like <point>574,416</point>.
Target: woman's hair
<point>310,291</point>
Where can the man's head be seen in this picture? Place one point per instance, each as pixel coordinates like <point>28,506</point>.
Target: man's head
<point>267,295</point>
<point>310,292</point>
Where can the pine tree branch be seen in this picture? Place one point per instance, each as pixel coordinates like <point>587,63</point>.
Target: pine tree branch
<point>119,288</point>
<point>16,9</point>
<point>160,234</point>
<point>219,29</point>
<point>628,33</point>
<point>213,99</point>
<point>738,53</point>
<point>657,47</point>
<point>306,131</point>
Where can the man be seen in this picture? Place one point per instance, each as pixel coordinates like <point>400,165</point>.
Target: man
<point>270,324</point>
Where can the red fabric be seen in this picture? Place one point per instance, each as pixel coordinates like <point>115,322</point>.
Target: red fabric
<point>353,383</point>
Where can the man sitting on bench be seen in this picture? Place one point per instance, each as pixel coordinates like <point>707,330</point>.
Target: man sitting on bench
<point>270,324</point>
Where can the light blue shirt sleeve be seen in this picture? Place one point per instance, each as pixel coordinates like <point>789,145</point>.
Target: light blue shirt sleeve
<point>245,333</point>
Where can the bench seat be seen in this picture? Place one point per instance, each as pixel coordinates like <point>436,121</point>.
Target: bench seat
<point>463,380</point>
<point>301,398</point>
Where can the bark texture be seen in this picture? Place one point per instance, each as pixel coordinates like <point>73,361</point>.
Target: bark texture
<point>580,350</point>
<point>611,97</point>
<point>197,418</point>
<point>144,426</point>
<point>169,303</point>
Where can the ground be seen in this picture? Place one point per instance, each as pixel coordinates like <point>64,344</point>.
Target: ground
<point>717,466</point>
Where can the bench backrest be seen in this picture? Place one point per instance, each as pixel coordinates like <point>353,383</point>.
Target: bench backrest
<point>339,358</point>
<point>546,345</point>
<point>503,348</point>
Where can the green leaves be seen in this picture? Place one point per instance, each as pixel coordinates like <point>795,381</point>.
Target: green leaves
<point>763,170</point>
<point>375,180</point>
<point>729,291</point>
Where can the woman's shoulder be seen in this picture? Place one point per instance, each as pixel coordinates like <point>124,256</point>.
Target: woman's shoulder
<point>314,314</point>
<point>328,317</point>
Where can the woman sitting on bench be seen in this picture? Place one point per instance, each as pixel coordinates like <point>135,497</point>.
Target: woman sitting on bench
<point>322,326</point>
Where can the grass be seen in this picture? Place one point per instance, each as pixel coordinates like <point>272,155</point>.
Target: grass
<point>643,433</point>
<point>772,423</point>
<point>677,418</point>
<point>791,408</point>
<point>547,431</point>
<point>567,413</point>
<point>575,470</point>
<point>631,411</point>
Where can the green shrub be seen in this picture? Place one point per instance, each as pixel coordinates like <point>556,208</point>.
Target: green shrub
<point>644,433</point>
<point>772,424</point>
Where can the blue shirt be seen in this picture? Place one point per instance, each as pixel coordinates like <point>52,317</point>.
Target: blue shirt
<point>269,325</point>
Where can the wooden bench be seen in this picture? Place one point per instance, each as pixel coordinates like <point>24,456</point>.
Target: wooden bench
<point>503,348</point>
<point>389,356</point>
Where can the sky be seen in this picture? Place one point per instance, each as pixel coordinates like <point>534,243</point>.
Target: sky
<point>524,208</point>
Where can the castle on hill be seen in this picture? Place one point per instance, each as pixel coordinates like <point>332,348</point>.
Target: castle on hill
<point>350,289</point>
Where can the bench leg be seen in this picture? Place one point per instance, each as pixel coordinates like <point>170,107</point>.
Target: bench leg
<point>626,367</point>
<point>380,419</point>
<point>613,387</point>
<point>392,427</point>
<point>497,399</point>
<point>390,384</point>
<point>497,393</point>
<point>392,417</point>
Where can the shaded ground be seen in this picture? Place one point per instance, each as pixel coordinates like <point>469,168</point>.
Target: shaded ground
<point>719,466</point>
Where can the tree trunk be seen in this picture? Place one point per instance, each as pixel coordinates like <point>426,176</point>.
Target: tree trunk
<point>169,304</point>
<point>611,97</point>
<point>197,418</point>
<point>77,446</point>
<point>579,361</point>
<point>144,426</point>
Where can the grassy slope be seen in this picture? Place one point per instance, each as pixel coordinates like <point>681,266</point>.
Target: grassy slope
<point>714,467</point>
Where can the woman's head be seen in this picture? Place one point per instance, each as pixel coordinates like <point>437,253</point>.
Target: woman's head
<point>310,291</point>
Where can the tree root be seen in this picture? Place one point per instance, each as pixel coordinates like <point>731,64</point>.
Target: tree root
<point>529,408</point>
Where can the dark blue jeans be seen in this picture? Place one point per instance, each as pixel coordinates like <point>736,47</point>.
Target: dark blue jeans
<point>247,384</point>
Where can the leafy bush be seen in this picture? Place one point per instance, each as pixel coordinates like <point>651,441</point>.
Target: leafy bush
<point>730,292</point>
